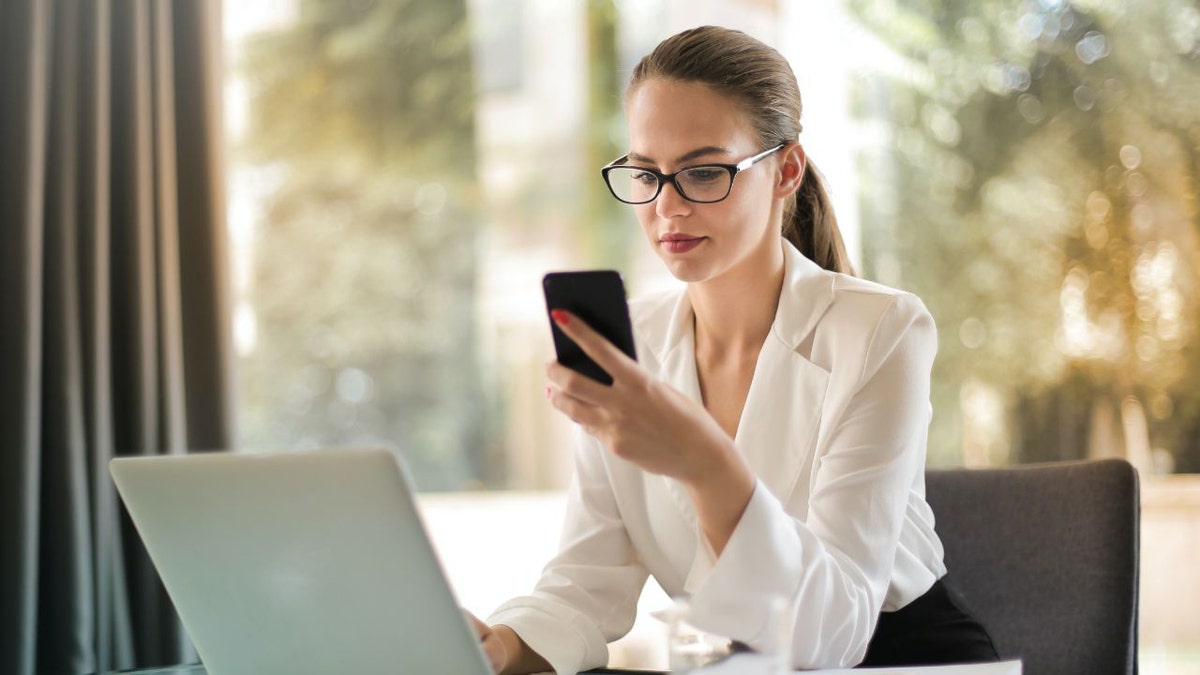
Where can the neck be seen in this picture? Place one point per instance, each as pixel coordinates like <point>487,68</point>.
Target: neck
<point>734,311</point>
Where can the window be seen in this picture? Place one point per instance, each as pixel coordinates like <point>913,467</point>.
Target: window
<point>402,173</point>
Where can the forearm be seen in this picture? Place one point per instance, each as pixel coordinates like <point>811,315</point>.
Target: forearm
<point>720,495</point>
<point>521,659</point>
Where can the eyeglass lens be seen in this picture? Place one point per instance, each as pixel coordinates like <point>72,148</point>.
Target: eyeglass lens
<point>700,183</point>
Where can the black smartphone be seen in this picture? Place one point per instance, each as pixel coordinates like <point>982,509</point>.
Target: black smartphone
<point>598,298</point>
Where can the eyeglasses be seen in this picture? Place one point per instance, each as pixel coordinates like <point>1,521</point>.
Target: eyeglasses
<point>703,184</point>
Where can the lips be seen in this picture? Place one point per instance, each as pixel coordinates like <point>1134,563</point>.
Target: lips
<point>677,242</point>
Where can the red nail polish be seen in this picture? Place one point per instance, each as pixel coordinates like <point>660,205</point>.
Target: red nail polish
<point>560,317</point>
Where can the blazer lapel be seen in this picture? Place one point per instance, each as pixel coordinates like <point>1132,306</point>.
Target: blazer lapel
<point>678,368</point>
<point>781,416</point>
<point>782,413</point>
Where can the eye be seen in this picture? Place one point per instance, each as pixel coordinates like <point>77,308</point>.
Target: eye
<point>706,174</point>
<point>645,177</point>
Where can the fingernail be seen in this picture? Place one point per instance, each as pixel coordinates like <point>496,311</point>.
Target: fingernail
<point>547,392</point>
<point>560,317</point>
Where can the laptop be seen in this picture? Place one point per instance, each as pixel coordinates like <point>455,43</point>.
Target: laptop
<point>299,562</point>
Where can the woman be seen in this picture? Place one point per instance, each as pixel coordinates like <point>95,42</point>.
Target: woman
<point>770,441</point>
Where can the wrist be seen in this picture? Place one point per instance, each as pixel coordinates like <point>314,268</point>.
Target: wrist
<point>724,468</point>
<point>727,491</point>
<point>512,646</point>
<point>720,496</point>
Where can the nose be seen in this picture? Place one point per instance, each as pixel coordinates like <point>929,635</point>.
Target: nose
<point>671,204</point>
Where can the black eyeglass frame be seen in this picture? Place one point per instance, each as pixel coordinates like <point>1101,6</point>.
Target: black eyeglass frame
<point>663,178</point>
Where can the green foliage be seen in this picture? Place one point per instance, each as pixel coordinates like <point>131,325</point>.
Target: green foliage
<point>377,86</point>
<point>1039,193</point>
<point>607,234</point>
<point>361,116</point>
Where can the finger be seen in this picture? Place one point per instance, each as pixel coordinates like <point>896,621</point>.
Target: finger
<point>595,345</point>
<point>580,412</point>
<point>492,647</point>
<point>495,651</point>
<point>480,627</point>
<point>576,384</point>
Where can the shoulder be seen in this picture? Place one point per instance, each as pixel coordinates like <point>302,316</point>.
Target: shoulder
<point>817,305</point>
<point>867,301</point>
<point>867,322</point>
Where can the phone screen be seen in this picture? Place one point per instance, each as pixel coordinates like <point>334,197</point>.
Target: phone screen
<point>598,298</point>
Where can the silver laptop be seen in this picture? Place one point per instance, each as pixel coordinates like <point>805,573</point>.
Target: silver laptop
<point>301,562</point>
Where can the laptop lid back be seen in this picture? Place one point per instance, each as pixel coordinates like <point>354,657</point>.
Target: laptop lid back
<point>298,562</point>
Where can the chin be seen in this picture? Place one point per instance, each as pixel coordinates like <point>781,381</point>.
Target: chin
<point>688,271</point>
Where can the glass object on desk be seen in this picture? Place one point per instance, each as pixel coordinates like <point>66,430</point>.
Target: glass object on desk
<point>691,648</point>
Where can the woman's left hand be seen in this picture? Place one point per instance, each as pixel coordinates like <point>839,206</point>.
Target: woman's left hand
<point>638,418</point>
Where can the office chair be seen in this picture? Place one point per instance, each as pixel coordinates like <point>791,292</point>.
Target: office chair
<point>1046,556</point>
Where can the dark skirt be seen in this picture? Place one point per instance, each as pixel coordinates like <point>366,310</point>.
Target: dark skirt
<point>934,629</point>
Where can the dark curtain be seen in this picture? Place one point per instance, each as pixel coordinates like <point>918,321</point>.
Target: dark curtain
<point>114,322</point>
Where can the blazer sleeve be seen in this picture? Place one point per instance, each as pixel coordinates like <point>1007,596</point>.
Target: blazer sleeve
<point>833,567</point>
<point>587,594</point>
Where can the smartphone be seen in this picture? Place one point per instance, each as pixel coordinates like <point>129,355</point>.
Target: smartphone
<point>598,298</point>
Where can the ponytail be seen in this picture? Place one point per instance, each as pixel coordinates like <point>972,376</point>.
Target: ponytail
<point>811,226</point>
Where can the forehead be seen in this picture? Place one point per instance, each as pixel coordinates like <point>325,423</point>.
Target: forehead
<point>668,118</point>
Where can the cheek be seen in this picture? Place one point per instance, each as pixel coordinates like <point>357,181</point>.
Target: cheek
<point>737,215</point>
<point>752,207</point>
<point>645,215</point>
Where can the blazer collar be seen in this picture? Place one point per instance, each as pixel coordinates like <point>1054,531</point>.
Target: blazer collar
<point>807,292</point>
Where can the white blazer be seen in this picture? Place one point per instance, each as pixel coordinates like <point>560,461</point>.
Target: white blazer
<point>834,427</point>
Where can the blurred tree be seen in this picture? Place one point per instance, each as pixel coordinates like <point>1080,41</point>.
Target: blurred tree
<point>364,274</point>
<point>607,234</point>
<point>1039,193</point>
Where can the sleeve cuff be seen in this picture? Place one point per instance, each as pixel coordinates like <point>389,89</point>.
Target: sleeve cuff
<point>760,562</point>
<point>565,639</point>
<point>702,564</point>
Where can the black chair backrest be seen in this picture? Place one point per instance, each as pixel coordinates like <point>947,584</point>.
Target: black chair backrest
<point>1046,556</point>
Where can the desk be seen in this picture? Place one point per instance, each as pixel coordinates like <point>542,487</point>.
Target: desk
<point>730,667</point>
<point>734,666</point>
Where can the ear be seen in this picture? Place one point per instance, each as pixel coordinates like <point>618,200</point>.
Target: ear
<point>792,165</point>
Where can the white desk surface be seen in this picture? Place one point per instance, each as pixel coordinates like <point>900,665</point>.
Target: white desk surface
<point>740,665</point>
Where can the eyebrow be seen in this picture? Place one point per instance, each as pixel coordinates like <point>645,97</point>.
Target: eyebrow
<point>698,152</point>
